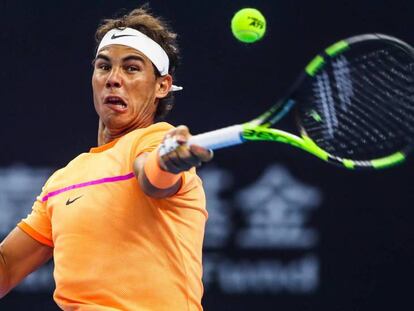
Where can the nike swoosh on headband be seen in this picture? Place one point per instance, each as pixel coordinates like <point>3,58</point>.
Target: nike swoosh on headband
<point>114,36</point>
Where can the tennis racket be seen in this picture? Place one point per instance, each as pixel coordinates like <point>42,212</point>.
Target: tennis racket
<point>353,106</point>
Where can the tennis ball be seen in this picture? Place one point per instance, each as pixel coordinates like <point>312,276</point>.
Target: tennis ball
<point>248,25</point>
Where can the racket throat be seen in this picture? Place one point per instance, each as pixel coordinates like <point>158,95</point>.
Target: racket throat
<point>257,133</point>
<point>274,114</point>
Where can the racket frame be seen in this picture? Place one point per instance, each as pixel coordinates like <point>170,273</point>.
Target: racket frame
<point>259,128</point>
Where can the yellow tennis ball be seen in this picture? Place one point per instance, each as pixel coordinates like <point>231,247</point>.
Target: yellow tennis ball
<point>248,25</point>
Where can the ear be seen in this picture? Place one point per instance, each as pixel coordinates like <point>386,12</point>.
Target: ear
<point>163,86</point>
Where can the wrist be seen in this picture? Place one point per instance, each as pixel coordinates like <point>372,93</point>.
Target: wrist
<point>156,175</point>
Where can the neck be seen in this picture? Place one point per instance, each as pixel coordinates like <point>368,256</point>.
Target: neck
<point>106,135</point>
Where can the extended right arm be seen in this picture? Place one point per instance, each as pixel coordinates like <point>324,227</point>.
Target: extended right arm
<point>20,255</point>
<point>181,159</point>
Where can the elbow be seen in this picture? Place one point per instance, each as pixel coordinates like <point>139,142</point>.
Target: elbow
<point>3,292</point>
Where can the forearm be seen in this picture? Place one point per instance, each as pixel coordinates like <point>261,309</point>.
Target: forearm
<point>20,255</point>
<point>4,276</point>
<point>153,180</point>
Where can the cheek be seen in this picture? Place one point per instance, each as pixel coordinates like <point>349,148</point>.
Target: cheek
<point>143,94</point>
<point>97,83</point>
<point>96,88</point>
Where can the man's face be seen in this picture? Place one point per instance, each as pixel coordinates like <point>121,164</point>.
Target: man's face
<point>125,89</point>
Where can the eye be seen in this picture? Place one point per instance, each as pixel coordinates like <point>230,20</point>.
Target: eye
<point>103,66</point>
<point>132,68</point>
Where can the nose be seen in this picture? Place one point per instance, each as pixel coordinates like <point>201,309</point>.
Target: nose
<point>114,79</point>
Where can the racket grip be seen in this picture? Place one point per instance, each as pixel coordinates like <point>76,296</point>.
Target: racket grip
<point>217,139</point>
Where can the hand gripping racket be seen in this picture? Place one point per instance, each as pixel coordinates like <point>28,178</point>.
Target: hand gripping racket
<point>353,105</point>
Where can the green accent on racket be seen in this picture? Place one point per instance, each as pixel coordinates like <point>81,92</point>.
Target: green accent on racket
<point>348,163</point>
<point>337,48</point>
<point>315,65</point>
<point>389,161</point>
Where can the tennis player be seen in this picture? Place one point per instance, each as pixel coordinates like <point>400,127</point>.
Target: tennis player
<point>124,226</point>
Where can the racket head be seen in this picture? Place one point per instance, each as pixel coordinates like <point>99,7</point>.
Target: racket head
<point>354,103</point>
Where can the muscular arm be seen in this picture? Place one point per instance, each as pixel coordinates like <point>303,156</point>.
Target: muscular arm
<point>19,256</point>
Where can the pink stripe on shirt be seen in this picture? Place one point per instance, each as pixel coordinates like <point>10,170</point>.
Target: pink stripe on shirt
<point>89,183</point>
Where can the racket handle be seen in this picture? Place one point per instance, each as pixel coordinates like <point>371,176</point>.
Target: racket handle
<point>217,139</point>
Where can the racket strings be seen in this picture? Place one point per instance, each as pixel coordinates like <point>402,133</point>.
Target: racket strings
<point>393,80</point>
<point>386,60</point>
<point>382,80</point>
<point>361,107</point>
<point>348,123</point>
<point>368,133</point>
<point>395,67</point>
<point>388,118</point>
<point>386,91</point>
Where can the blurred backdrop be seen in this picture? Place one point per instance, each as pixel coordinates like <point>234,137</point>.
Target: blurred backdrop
<point>286,231</point>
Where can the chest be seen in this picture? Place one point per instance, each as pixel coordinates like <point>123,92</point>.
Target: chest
<point>105,204</point>
<point>95,196</point>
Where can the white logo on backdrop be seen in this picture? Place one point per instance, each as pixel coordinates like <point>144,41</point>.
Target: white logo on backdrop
<point>299,275</point>
<point>277,208</point>
<point>19,186</point>
<point>275,212</point>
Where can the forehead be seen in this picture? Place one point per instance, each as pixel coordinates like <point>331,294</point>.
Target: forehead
<point>117,51</point>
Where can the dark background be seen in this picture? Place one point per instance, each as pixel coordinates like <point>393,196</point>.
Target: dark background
<point>365,222</point>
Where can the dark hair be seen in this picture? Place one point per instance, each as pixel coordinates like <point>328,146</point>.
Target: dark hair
<point>158,30</point>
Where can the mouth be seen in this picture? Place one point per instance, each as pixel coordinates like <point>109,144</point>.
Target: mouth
<point>116,103</point>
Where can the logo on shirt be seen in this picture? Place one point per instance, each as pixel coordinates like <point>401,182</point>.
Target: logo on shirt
<point>69,201</point>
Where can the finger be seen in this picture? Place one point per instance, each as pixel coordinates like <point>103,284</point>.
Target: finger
<point>180,160</point>
<point>182,130</point>
<point>180,135</point>
<point>187,157</point>
<point>170,163</point>
<point>203,154</point>
<point>181,139</point>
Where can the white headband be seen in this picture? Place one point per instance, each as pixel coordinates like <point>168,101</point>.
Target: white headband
<point>140,42</point>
